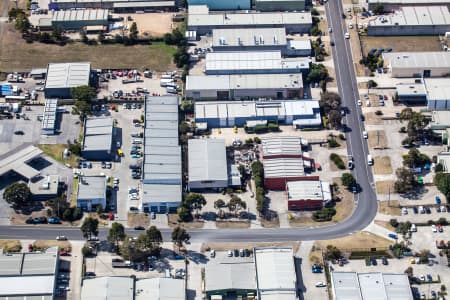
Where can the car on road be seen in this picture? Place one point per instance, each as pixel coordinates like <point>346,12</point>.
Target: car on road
<point>19,132</point>
<point>347,35</point>
<point>139,228</point>
<point>61,238</point>
<point>359,102</point>
<point>361,117</point>
<point>433,228</point>
<point>332,43</point>
<point>365,135</point>
<point>330,30</point>
<point>321,284</point>
<point>350,165</point>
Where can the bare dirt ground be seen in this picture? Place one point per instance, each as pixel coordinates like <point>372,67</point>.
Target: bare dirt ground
<point>173,222</point>
<point>377,139</point>
<point>373,119</point>
<point>138,220</point>
<point>385,224</point>
<point>389,208</point>
<point>384,185</point>
<point>358,240</point>
<point>382,165</point>
<point>232,224</point>
<point>153,24</point>
<point>401,43</point>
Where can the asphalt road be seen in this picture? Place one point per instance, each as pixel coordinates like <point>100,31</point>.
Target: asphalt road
<point>366,207</point>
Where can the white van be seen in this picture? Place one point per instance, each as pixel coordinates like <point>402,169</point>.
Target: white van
<point>165,82</point>
<point>413,228</point>
<point>137,142</point>
<point>369,160</point>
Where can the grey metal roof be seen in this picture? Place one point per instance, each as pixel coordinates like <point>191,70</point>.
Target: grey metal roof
<point>80,15</point>
<point>308,190</point>
<point>160,289</point>
<point>414,16</point>
<point>98,134</point>
<point>244,81</point>
<point>283,167</point>
<point>244,37</point>
<point>281,145</point>
<point>108,288</point>
<point>411,89</point>
<point>168,193</point>
<point>67,75</point>
<point>437,88</point>
<point>91,187</point>
<point>224,19</point>
<point>251,60</point>
<point>400,2</point>
<point>230,276</point>
<point>207,160</point>
<point>144,4</point>
<point>370,286</point>
<point>275,273</point>
<point>49,115</point>
<point>413,60</point>
<point>17,162</point>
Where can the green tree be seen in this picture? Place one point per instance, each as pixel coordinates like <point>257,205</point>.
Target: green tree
<point>317,73</point>
<point>22,23</point>
<point>179,236</point>
<point>194,201</point>
<point>83,93</point>
<point>116,233</point>
<point>415,159</point>
<point>372,84</point>
<point>219,204</point>
<point>18,194</point>
<point>378,9</point>
<point>184,214</point>
<point>334,118</point>
<point>442,182</point>
<point>330,101</point>
<point>150,240</point>
<point>406,181</point>
<point>348,180</point>
<point>57,33</point>
<point>236,204</point>
<point>134,32</point>
<point>89,228</point>
<point>332,252</point>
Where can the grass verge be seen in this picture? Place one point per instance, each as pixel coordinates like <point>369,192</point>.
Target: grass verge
<point>382,165</point>
<point>389,208</point>
<point>42,245</point>
<point>232,224</point>
<point>358,240</point>
<point>173,222</point>
<point>10,245</point>
<point>55,151</point>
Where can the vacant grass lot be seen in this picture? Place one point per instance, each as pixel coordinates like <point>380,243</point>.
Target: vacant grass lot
<point>383,186</point>
<point>17,55</point>
<point>401,43</point>
<point>390,208</point>
<point>382,165</point>
<point>358,240</point>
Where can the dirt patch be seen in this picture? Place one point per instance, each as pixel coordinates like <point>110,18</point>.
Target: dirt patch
<point>45,244</point>
<point>150,24</point>
<point>103,220</point>
<point>232,224</point>
<point>273,223</point>
<point>229,246</point>
<point>382,165</point>
<point>10,245</point>
<point>173,222</point>
<point>157,56</point>
<point>344,159</point>
<point>358,240</point>
<point>401,43</point>
<point>385,224</point>
<point>315,256</point>
<point>377,139</point>
<point>139,219</point>
<point>390,208</point>
<point>373,119</point>
<point>384,185</point>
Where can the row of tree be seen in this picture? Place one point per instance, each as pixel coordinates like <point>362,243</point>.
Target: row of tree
<point>330,105</point>
<point>260,193</point>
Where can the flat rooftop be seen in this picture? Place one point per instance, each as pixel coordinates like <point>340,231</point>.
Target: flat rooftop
<point>281,145</point>
<point>91,187</point>
<point>17,162</point>
<point>160,289</point>
<point>411,60</point>
<point>245,37</point>
<point>247,19</point>
<point>80,15</point>
<point>153,192</point>
<point>414,16</point>
<point>67,75</point>
<point>230,276</point>
<point>283,167</point>
<point>108,288</point>
<point>437,88</point>
<point>48,185</point>
<point>411,89</point>
<point>98,134</point>
<point>308,190</point>
<point>207,160</point>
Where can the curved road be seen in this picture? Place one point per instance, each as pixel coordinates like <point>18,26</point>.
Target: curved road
<point>363,214</point>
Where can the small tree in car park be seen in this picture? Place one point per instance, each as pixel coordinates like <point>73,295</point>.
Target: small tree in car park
<point>236,204</point>
<point>219,204</point>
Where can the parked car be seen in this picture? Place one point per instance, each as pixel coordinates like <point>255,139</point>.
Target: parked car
<point>321,284</point>
<point>212,253</point>
<point>139,228</point>
<point>54,220</point>
<point>415,210</point>
<point>429,277</point>
<point>433,228</point>
<point>61,238</point>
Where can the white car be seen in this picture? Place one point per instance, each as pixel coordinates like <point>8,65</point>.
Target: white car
<point>359,102</point>
<point>118,144</point>
<point>365,135</point>
<point>404,211</point>
<point>61,238</point>
<point>350,25</point>
<point>330,30</point>
<point>347,35</point>
<point>433,228</point>
<point>321,284</point>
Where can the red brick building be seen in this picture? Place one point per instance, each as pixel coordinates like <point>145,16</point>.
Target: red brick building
<point>309,194</point>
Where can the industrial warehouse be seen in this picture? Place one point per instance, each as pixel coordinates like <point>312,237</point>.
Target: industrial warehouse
<point>98,137</point>
<point>390,5</point>
<point>78,19</point>
<point>420,20</point>
<point>253,62</point>
<point>307,194</point>
<point>244,87</point>
<point>418,64</point>
<point>49,117</point>
<point>62,77</point>
<point>435,92</point>
<point>162,179</point>
<point>203,22</point>
<point>299,113</point>
<point>115,5</point>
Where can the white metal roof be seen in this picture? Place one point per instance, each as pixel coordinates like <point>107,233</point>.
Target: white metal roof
<point>244,37</point>
<point>437,88</point>
<point>207,160</point>
<point>275,273</point>
<point>230,276</point>
<point>407,60</point>
<point>91,187</point>
<point>161,193</point>
<point>281,145</point>
<point>136,4</point>
<point>244,81</point>
<point>67,75</point>
<point>221,19</point>
<point>108,288</point>
<point>80,15</point>
<point>49,115</point>
<point>411,89</point>
<point>29,286</point>
<point>17,162</point>
<point>283,167</point>
<point>308,190</point>
<point>98,133</point>
<point>414,16</point>
<point>160,289</point>
<point>370,286</point>
<point>299,44</point>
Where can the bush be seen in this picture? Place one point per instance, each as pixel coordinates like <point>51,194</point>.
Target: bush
<point>439,168</point>
<point>273,127</point>
<point>332,143</point>
<point>257,140</point>
<point>402,129</point>
<point>379,113</point>
<point>260,129</point>
<point>393,222</point>
<point>342,136</point>
<point>337,161</point>
<point>86,251</point>
<point>323,215</point>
